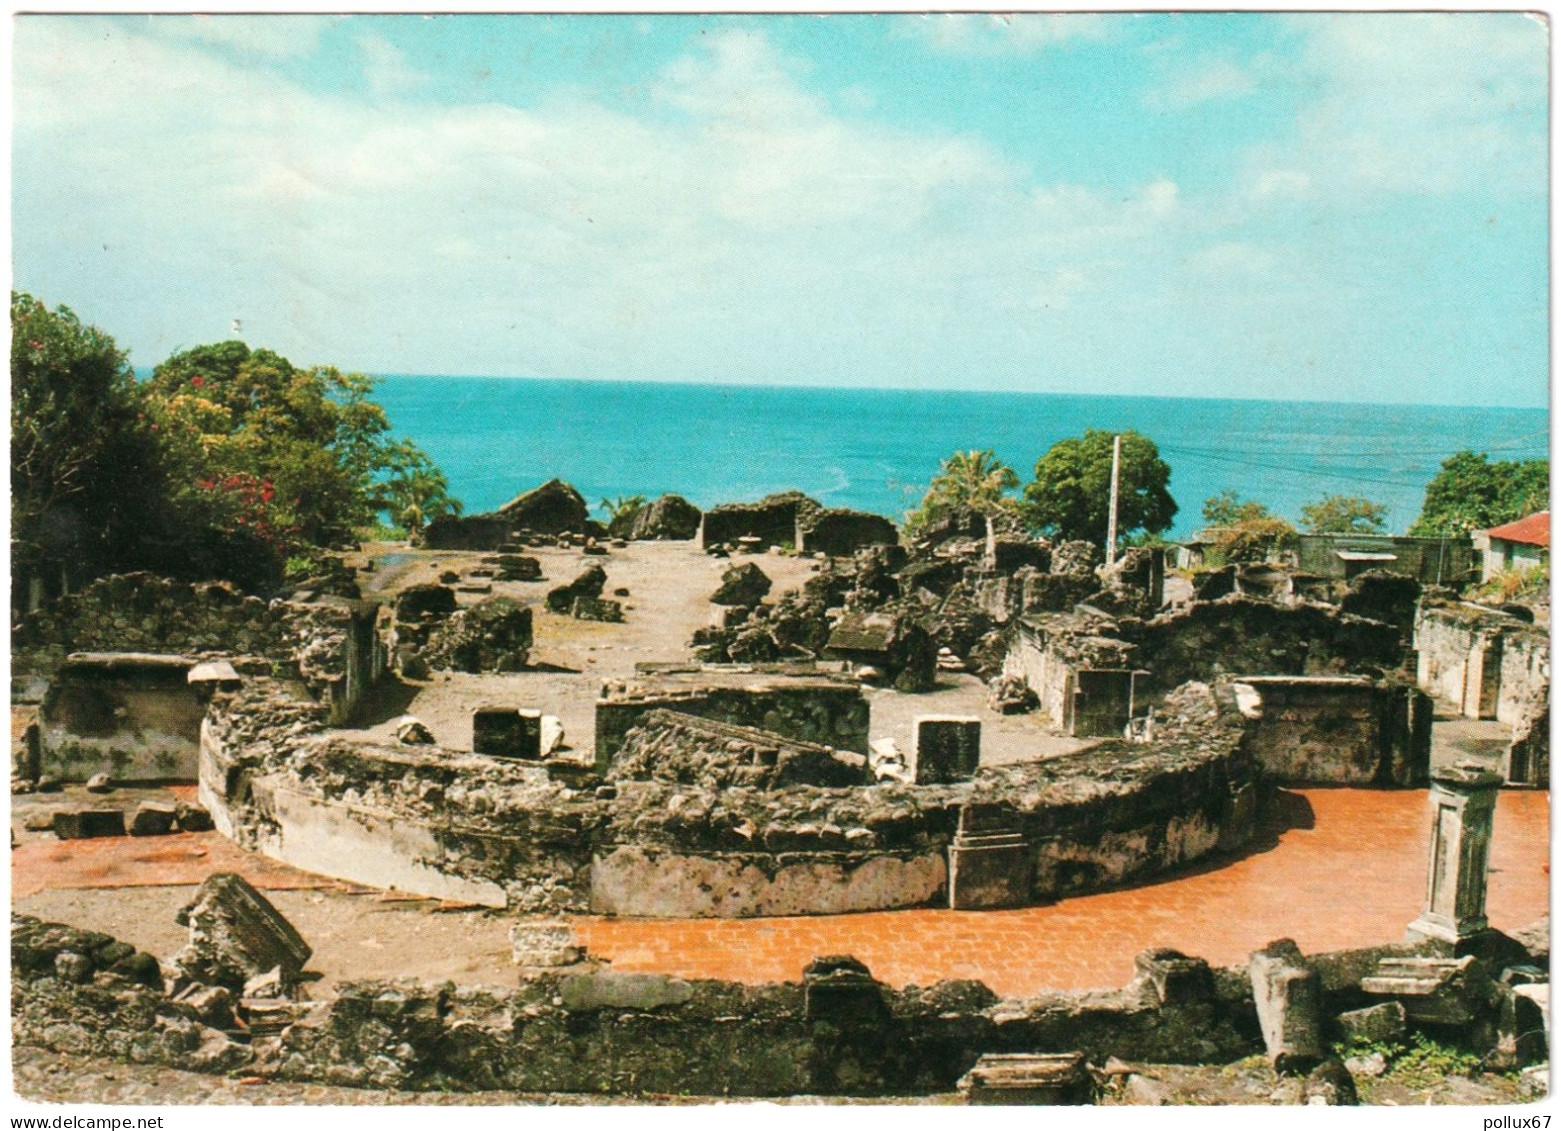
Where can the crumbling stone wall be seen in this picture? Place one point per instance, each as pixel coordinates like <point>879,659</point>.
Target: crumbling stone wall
<point>1338,730</point>
<point>1241,636</point>
<point>1048,652</point>
<point>839,532</point>
<point>672,838</point>
<point>494,635</point>
<point>87,993</point>
<point>829,712</point>
<point>1487,663</point>
<point>142,612</point>
<point>130,715</point>
<point>773,520</point>
<point>466,532</point>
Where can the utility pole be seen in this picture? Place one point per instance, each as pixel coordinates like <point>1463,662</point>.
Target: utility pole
<point>1111,522</point>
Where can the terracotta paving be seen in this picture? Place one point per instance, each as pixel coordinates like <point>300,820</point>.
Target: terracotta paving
<point>1337,868</point>
<point>1346,868</point>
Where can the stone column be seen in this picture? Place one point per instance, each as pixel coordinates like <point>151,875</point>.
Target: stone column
<point>1463,808</point>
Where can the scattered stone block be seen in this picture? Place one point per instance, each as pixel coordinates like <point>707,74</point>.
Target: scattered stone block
<point>214,1005</point>
<point>416,602</point>
<point>948,748</point>
<point>595,608</point>
<point>1045,1079</point>
<point>412,731</point>
<point>590,583</point>
<point>82,824</point>
<point>236,934</point>
<point>474,587</point>
<point>193,818</point>
<point>742,584</point>
<point>518,567</point>
<point>1521,1026</point>
<point>38,822</point>
<point>552,735</point>
<point>990,862</point>
<point>1288,996</point>
<point>1446,991</point>
<point>1375,1023</point>
<point>840,989</point>
<point>100,783</point>
<point>1329,1085</point>
<point>154,818</point>
<point>1175,978</point>
<point>669,517</point>
<point>506,732</point>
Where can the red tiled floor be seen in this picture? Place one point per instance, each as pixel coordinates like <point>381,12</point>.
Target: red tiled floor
<point>119,861</point>
<point>1355,877</point>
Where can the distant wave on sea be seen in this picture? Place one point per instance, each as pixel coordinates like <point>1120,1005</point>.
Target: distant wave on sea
<point>875,449</point>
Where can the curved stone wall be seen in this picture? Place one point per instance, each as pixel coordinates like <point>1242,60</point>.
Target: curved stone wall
<point>505,833</point>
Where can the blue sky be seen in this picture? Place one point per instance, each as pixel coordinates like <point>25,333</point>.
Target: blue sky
<point>1311,206</point>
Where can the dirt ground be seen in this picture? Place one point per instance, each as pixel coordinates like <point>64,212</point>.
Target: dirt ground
<point>669,586</point>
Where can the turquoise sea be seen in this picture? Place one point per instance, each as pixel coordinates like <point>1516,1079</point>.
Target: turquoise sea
<point>875,449</point>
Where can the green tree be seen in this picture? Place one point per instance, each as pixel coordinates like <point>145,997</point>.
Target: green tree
<point>413,491</point>
<point>1071,493</point>
<point>1243,530</point>
<point>85,474</point>
<point>975,479</point>
<point>621,512</point>
<point>301,456</point>
<point>1344,514</point>
<point>1472,493</point>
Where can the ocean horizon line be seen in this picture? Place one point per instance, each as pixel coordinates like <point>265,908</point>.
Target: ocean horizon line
<point>143,372</point>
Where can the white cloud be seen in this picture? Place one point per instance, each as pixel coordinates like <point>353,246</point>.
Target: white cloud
<point>386,66</point>
<point>1211,80</point>
<point>1022,33</point>
<point>275,35</point>
<point>1415,103</point>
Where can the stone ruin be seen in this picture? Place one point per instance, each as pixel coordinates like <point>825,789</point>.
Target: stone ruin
<point>232,1000</point>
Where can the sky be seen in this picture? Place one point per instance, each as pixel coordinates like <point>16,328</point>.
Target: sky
<point>1293,206</point>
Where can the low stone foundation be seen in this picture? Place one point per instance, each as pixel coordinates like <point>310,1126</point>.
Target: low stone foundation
<point>716,830</point>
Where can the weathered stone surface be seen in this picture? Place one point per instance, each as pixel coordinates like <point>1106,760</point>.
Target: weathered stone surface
<point>517,567</point>
<point>417,602</point>
<point>552,508</point>
<point>100,783</point>
<point>1046,1079</point>
<point>948,748</point>
<point>412,731</point>
<point>772,521</point>
<point>1329,1085</point>
<point>507,732</point>
<point>1175,978</point>
<point>590,583</point>
<point>670,517</point>
<point>1448,991</point>
<point>1076,557</point>
<point>193,818</point>
<point>742,584</point>
<point>153,818</point>
<point>838,532</point>
<point>1288,996</point>
<point>672,746</point>
<point>894,645</point>
<point>1375,1023</point>
<point>493,635</point>
<point>544,943</point>
<point>597,609</point>
<point>990,861</point>
<point>81,824</point>
<point>235,934</point>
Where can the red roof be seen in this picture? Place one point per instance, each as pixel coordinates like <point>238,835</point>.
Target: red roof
<point>1531,531</point>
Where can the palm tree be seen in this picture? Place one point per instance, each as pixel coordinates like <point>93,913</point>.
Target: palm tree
<point>975,479</point>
